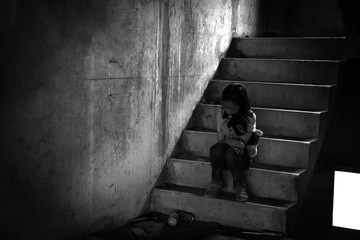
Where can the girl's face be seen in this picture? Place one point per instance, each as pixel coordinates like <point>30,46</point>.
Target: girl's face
<point>231,108</point>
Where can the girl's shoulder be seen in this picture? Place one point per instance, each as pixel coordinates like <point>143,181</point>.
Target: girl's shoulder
<point>219,113</point>
<point>251,121</point>
<point>251,114</point>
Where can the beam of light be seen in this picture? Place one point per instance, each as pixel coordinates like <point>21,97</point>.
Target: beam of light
<point>346,207</point>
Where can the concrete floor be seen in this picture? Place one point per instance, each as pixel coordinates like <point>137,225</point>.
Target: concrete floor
<point>315,222</point>
<point>195,230</point>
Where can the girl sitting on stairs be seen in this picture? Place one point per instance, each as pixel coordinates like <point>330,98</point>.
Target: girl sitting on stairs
<point>237,141</point>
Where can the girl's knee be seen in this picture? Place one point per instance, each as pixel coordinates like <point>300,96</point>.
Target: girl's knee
<point>231,154</point>
<point>242,161</point>
<point>218,149</point>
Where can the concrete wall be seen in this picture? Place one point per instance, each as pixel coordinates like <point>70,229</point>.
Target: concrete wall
<point>340,147</point>
<point>292,18</point>
<point>94,95</point>
<point>315,18</point>
<point>340,150</point>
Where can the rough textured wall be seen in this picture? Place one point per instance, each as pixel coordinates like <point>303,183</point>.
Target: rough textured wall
<point>77,82</point>
<point>199,33</point>
<point>248,18</point>
<point>94,95</point>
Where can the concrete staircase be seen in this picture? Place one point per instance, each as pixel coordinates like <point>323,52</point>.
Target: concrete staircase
<point>291,83</point>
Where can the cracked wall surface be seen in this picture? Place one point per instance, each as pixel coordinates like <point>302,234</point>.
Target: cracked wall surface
<point>94,96</point>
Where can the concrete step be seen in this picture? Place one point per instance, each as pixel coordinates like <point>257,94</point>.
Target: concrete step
<point>277,95</point>
<point>279,70</point>
<point>251,236</point>
<point>294,153</point>
<point>256,214</point>
<point>276,122</point>
<point>330,48</point>
<point>263,180</point>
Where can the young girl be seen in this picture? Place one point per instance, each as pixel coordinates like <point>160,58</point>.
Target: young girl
<point>237,140</point>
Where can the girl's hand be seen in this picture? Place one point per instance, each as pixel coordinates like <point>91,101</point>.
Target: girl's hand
<point>235,143</point>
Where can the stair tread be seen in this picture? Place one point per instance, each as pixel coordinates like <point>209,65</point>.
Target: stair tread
<point>272,109</point>
<point>277,83</point>
<point>282,138</point>
<point>283,59</point>
<point>254,166</point>
<point>294,38</point>
<point>226,196</point>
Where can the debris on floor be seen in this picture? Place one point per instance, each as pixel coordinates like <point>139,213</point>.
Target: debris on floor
<point>181,225</point>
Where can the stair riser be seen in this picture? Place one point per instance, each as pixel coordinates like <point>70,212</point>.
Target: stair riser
<point>276,96</point>
<point>270,151</point>
<point>289,48</point>
<point>286,153</point>
<point>267,184</point>
<point>270,121</point>
<point>260,70</point>
<point>229,213</point>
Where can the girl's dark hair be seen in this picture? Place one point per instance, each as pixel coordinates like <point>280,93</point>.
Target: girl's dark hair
<point>237,94</point>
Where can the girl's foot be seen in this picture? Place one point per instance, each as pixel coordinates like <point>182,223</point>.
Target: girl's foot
<point>213,190</point>
<point>241,193</point>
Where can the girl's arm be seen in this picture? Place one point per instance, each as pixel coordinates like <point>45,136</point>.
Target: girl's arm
<point>231,141</point>
<point>220,136</point>
<point>219,121</point>
<point>246,137</point>
<point>250,128</point>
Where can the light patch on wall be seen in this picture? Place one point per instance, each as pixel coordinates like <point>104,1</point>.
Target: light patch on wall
<point>224,43</point>
<point>248,18</point>
<point>346,208</point>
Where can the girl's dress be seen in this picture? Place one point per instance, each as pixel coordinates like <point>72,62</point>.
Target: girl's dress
<point>238,134</point>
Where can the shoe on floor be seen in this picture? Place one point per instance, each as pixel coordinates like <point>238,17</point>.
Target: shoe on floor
<point>213,190</point>
<point>241,193</point>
